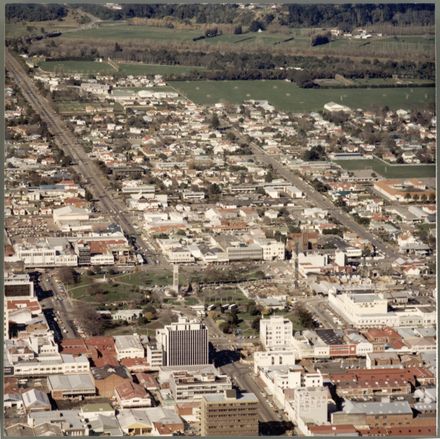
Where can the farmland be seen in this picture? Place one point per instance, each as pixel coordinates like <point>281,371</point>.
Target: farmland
<point>295,39</point>
<point>388,170</point>
<point>288,97</point>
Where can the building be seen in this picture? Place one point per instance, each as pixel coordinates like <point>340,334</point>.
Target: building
<point>374,414</point>
<point>128,346</point>
<point>309,405</point>
<point>275,332</point>
<point>184,343</point>
<point>153,421</point>
<point>229,414</point>
<point>192,385</point>
<point>132,395</point>
<point>18,286</point>
<point>71,386</point>
<point>35,400</point>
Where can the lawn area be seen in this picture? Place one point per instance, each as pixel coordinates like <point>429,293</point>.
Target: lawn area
<point>148,279</point>
<point>389,170</point>
<point>288,97</point>
<point>155,69</point>
<point>104,292</point>
<point>223,296</point>
<point>83,67</point>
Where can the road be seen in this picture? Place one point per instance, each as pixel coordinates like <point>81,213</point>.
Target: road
<point>320,200</point>
<point>64,138</point>
<point>243,376</point>
<point>61,305</point>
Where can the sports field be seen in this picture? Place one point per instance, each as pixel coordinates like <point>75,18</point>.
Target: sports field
<point>286,96</point>
<point>155,69</point>
<point>389,170</point>
<point>84,67</point>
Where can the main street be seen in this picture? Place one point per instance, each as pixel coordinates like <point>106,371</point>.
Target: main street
<point>64,138</point>
<point>242,374</point>
<point>320,200</point>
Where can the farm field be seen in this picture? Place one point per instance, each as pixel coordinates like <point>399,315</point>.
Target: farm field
<point>288,97</point>
<point>389,170</point>
<point>84,67</point>
<point>294,39</point>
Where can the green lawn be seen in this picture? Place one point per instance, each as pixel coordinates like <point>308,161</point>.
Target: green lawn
<point>389,170</point>
<point>148,279</point>
<point>155,69</point>
<point>286,96</point>
<point>104,292</point>
<point>84,67</point>
<point>222,296</point>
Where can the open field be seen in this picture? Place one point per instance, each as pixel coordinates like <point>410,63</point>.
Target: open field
<point>389,170</point>
<point>288,97</point>
<point>298,39</point>
<point>84,67</point>
<point>155,69</point>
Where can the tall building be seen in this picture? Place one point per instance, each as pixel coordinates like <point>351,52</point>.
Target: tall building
<point>229,414</point>
<point>275,332</point>
<point>184,343</point>
<point>310,404</point>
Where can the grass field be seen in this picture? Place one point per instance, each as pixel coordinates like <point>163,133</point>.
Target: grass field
<point>287,96</point>
<point>84,67</point>
<point>224,296</point>
<point>388,170</point>
<point>121,32</point>
<point>155,69</point>
<point>294,39</point>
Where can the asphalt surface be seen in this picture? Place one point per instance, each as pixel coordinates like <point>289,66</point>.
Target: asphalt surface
<point>243,376</point>
<point>65,139</point>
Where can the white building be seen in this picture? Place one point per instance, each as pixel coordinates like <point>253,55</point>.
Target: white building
<point>309,405</point>
<point>276,332</point>
<point>128,346</point>
<point>272,249</point>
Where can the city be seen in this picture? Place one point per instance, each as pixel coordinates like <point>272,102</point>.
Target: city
<point>203,252</point>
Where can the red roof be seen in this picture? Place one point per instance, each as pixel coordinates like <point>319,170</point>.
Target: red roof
<point>31,304</point>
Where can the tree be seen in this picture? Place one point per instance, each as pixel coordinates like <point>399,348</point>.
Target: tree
<point>304,316</point>
<point>214,122</point>
<point>68,275</point>
<point>238,30</point>
<point>256,25</point>
<point>320,39</point>
<point>252,309</point>
<point>315,153</point>
<point>256,324</point>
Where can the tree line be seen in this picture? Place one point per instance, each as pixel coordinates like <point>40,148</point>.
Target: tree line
<point>344,16</point>
<point>34,12</point>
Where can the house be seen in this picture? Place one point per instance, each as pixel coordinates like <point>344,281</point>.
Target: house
<point>35,400</point>
<point>132,395</point>
<point>107,378</point>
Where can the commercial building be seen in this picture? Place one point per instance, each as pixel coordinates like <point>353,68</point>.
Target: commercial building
<point>128,346</point>
<point>275,332</point>
<point>229,414</point>
<point>193,385</point>
<point>71,386</point>
<point>184,343</point>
